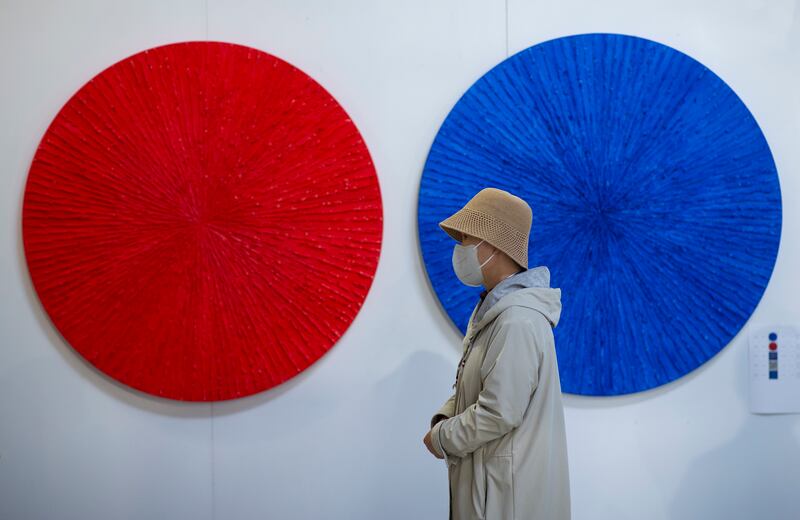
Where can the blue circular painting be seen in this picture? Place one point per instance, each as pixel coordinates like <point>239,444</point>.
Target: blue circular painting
<point>656,202</point>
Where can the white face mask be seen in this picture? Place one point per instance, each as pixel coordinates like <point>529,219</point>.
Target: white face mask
<point>466,266</point>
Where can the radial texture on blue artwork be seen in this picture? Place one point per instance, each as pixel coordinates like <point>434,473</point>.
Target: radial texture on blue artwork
<point>656,202</point>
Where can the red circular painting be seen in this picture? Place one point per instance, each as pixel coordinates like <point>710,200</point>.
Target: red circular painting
<point>202,221</point>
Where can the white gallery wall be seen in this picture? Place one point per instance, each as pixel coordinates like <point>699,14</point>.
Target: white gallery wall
<point>344,438</point>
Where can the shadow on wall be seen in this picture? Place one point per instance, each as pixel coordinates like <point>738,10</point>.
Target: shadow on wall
<point>398,413</point>
<point>739,479</point>
<point>754,474</point>
<point>359,453</point>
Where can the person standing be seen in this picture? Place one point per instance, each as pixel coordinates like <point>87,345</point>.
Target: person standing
<point>502,432</point>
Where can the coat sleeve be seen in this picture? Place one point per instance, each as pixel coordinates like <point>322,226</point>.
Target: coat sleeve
<point>447,410</point>
<point>507,388</point>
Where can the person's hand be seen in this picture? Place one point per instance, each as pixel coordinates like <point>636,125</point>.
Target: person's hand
<point>429,445</point>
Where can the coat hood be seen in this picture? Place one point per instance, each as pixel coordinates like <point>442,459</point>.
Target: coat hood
<point>529,288</point>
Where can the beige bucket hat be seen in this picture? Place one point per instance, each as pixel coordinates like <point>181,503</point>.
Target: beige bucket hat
<point>498,217</point>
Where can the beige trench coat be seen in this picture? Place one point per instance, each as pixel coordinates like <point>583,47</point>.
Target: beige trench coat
<point>504,439</point>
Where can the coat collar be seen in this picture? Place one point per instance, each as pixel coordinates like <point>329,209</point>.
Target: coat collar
<point>529,288</point>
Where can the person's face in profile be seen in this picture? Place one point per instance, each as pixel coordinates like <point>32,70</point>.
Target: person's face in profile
<point>485,250</point>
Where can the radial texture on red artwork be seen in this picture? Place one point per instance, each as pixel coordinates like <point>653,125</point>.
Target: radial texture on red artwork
<point>202,221</point>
